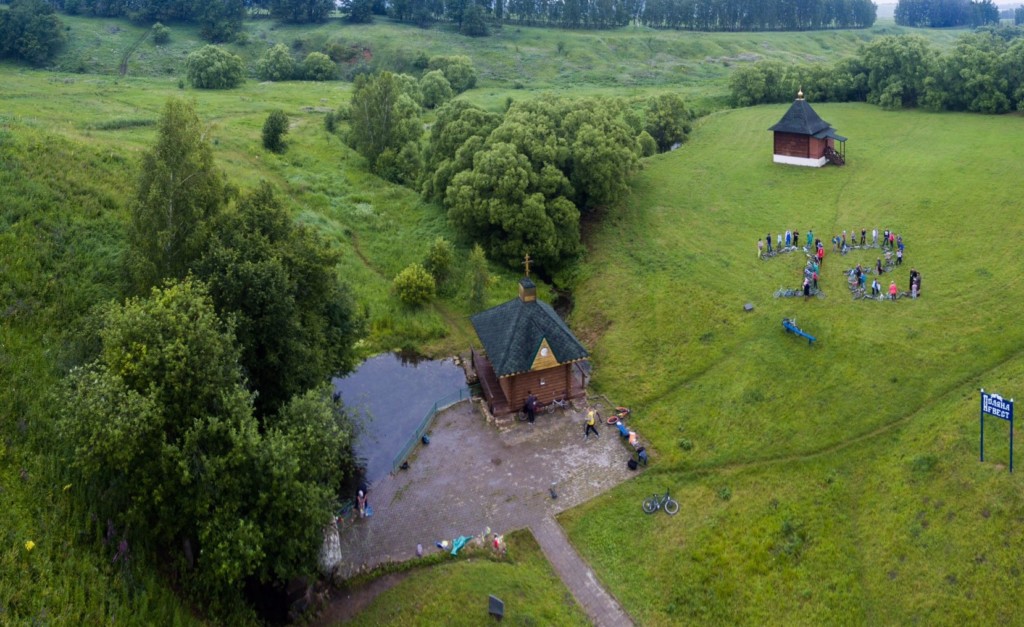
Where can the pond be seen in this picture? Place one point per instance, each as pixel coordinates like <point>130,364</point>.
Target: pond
<point>389,396</point>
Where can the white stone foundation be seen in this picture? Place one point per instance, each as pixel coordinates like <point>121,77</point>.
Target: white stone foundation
<point>813,163</point>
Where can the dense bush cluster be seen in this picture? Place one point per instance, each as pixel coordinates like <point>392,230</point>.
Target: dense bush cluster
<point>30,31</point>
<point>518,183</point>
<point>277,64</point>
<point>982,72</point>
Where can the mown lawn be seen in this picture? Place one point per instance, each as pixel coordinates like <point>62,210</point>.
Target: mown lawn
<point>853,493</point>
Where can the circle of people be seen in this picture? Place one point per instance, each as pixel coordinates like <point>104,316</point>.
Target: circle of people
<point>892,243</point>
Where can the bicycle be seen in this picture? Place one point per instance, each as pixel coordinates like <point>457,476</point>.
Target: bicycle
<point>558,403</point>
<point>656,501</point>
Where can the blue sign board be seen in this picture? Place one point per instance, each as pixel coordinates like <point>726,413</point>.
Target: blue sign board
<point>995,405</point>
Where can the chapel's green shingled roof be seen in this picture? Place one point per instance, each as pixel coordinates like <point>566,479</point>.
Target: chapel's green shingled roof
<point>800,119</point>
<point>512,332</point>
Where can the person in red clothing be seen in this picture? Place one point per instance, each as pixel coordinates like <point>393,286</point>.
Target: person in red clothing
<point>892,290</point>
<point>821,254</point>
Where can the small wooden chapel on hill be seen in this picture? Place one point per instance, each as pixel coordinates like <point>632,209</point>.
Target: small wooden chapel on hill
<point>803,138</point>
<point>527,348</point>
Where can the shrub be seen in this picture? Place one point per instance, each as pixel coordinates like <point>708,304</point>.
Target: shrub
<point>274,130</point>
<point>458,70</point>
<point>330,122</point>
<point>439,260</point>
<point>276,64</point>
<point>161,34</point>
<point>212,67</point>
<point>318,67</point>
<point>648,146</point>
<point>435,89</point>
<point>414,285</point>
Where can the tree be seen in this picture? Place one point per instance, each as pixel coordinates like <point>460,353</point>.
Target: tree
<point>161,432</point>
<point>513,209</point>
<point>359,11</point>
<point>648,146</point>
<point>439,260</point>
<point>30,30</point>
<point>478,277</point>
<point>896,69</point>
<point>220,20</point>
<point>317,66</point>
<point>178,189</point>
<point>276,64</point>
<point>295,322</point>
<point>458,70</point>
<point>472,22</point>
<point>301,11</point>
<point>382,118</point>
<point>274,129</point>
<point>668,121</point>
<point>435,89</point>
<point>212,67</point>
<point>414,285</point>
<point>161,34</point>
<point>457,134</point>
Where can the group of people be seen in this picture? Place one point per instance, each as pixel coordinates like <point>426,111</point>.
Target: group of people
<point>790,240</point>
<point>890,241</point>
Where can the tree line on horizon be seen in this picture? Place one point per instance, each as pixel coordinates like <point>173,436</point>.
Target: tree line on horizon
<point>946,13</point>
<point>221,19</point>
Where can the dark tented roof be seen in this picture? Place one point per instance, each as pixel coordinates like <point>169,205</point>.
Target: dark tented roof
<point>512,332</point>
<point>801,119</point>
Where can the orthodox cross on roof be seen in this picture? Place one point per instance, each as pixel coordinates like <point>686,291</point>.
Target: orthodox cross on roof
<point>526,262</point>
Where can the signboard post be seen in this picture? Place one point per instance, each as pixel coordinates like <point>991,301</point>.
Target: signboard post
<point>995,405</point>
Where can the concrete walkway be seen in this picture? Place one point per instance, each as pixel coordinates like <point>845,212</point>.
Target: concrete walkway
<point>473,476</point>
<point>598,604</point>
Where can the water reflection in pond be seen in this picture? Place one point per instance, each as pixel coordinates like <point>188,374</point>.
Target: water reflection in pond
<point>390,396</point>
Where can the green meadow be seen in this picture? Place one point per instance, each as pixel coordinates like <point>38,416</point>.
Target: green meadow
<point>833,483</point>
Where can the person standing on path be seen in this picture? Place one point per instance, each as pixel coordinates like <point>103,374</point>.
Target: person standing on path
<point>789,238</point>
<point>810,238</point>
<point>878,267</point>
<point>591,420</point>
<point>892,290</point>
<point>876,289</point>
<point>530,406</point>
<point>361,501</point>
<point>899,257</point>
<point>863,236</point>
<point>768,239</point>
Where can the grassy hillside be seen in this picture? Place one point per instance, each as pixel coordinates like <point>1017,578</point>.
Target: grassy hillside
<point>833,483</point>
<point>60,232</point>
<point>513,61</point>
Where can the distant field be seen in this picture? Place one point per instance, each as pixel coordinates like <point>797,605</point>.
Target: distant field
<point>514,61</point>
<point>837,483</point>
